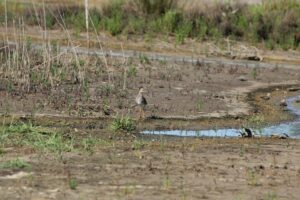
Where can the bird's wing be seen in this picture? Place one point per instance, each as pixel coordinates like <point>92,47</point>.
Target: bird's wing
<point>144,101</point>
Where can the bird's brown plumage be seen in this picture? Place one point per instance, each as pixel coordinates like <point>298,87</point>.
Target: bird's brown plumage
<point>141,102</point>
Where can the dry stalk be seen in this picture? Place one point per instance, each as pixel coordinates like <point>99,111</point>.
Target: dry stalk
<point>87,22</point>
<point>64,27</point>
<point>6,29</point>
<point>125,68</point>
<point>102,51</point>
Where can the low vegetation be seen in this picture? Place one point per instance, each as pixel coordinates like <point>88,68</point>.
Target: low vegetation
<point>275,23</point>
<point>15,164</point>
<point>43,139</point>
<point>73,183</point>
<point>123,123</point>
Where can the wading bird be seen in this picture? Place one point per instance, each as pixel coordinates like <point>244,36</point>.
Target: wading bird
<point>141,102</point>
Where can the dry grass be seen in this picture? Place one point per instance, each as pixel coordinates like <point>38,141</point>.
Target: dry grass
<point>186,5</point>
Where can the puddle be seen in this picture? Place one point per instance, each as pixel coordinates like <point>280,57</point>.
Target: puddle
<point>292,128</point>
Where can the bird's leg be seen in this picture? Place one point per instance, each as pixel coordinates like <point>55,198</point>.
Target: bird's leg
<point>140,113</point>
<point>143,113</point>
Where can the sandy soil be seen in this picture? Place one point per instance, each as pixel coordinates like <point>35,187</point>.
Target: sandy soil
<point>164,168</point>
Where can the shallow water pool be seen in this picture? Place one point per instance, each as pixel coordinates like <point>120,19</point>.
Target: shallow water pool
<point>292,128</point>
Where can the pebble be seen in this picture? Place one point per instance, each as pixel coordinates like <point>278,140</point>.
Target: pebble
<point>242,78</point>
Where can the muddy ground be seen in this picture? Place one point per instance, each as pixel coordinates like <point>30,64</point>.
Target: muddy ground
<point>174,90</point>
<point>163,168</point>
<point>134,166</point>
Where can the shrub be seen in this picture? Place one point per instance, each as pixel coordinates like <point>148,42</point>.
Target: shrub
<point>114,24</point>
<point>171,20</point>
<point>183,31</point>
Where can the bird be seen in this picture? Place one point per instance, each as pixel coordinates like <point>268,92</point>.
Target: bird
<point>246,133</point>
<point>141,101</point>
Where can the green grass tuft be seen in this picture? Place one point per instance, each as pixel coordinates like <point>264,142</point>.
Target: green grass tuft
<point>15,164</point>
<point>123,124</point>
<point>73,184</point>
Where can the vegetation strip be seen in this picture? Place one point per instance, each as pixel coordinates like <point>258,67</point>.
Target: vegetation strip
<point>276,23</point>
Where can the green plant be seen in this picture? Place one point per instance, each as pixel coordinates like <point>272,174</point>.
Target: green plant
<point>155,25</point>
<point>271,196</point>
<point>171,20</point>
<point>144,59</point>
<point>106,107</point>
<point>137,144</point>
<point>252,179</point>
<point>242,151</point>
<point>254,73</point>
<point>125,124</point>
<point>50,20</point>
<point>135,25</point>
<point>114,25</point>
<point>132,71</point>
<point>15,164</point>
<point>107,90</point>
<point>1,151</point>
<point>166,182</point>
<point>89,143</point>
<point>113,16</point>
<point>182,32</point>
<point>202,28</point>
<point>73,184</point>
<point>199,104</point>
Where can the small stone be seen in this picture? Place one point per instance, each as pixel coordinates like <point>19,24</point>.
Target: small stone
<point>267,97</point>
<point>242,78</point>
